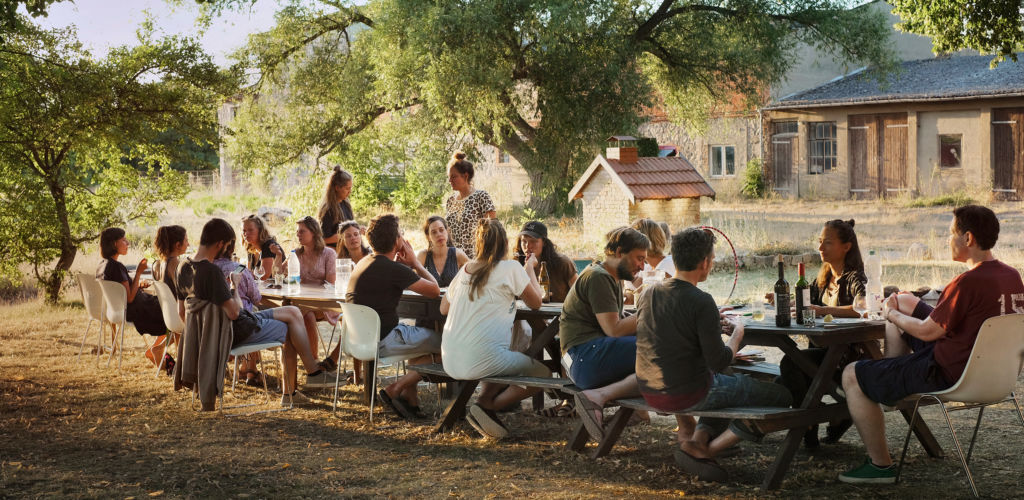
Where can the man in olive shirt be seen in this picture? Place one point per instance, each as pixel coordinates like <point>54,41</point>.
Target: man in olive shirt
<point>594,334</point>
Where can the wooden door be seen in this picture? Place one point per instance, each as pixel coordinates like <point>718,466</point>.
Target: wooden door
<point>1007,153</point>
<point>784,137</point>
<point>877,154</point>
<point>893,154</point>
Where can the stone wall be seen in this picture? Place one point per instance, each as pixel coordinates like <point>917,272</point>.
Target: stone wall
<point>741,131</point>
<point>678,213</point>
<point>605,206</point>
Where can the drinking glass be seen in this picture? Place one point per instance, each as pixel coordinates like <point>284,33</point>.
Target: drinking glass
<point>258,272</point>
<point>808,317</point>
<point>860,305</point>
<point>757,310</point>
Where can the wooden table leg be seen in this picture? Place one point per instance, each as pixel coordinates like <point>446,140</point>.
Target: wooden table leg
<point>544,335</point>
<point>612,431</point>
<point>579,438</point>
<point>777,471</point>
<point>455,410</point>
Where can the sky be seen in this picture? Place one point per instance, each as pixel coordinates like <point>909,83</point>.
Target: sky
<point>103,24</point>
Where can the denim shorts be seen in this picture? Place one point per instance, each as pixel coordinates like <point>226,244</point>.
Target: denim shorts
<point>732,391</point>
<point>271,330</point>
<point>602,361</point>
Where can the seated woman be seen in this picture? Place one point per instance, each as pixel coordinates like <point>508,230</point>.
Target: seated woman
<point>441,258</point>
<point>171,242</point>
<point>481,306</point>
<point>316,265</point>
<point>656,258</point>
<point>263,250</point>
<point>143,309</point>
<point>840,279</point>
<point>351,244</point>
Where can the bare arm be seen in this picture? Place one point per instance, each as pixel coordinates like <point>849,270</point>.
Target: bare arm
<point>233,306</point>
<point>926,329</point>
<point>460,258</point>
<point>532,293</point>
<point>614,326</point>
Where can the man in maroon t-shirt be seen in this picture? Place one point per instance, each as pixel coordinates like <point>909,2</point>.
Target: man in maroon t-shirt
<point>941,340</point>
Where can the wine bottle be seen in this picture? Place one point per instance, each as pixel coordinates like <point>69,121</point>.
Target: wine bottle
<point>803,294</point>
<point>544,281</point>
<point>781,299</point>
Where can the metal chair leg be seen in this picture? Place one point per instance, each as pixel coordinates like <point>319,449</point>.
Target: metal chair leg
<point>1013,397</point>
<point>959,450</point>
<point>84,337</point>
<point>970,449</point>
<point>906,441</point>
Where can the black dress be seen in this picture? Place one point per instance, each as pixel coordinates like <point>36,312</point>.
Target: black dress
<point>330,226</point>
<point>144,312</point>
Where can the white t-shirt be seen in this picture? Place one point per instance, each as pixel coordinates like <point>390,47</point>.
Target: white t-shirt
<point>665,266</point>
<point>479,331</point>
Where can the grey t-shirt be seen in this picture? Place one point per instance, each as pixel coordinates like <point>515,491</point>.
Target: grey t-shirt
<point>678,339</point>
<point>594,292</point>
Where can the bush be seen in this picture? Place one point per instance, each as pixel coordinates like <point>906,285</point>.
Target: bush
<point>954,199</point>
<point>646,146</point>
<point>753,179</point>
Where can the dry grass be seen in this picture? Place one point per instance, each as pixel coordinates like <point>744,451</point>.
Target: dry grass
<point>78,430</point>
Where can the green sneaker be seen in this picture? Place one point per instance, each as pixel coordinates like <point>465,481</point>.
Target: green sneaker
<point>869,473</point>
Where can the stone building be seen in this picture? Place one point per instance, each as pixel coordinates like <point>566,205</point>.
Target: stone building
<point>620,187</point>
<point>939,125</point>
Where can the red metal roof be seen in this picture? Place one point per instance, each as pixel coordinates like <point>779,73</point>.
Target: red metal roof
<point>652,178</point>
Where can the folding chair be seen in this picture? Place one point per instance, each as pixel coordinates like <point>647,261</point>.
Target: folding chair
<point>92,296</point>
<point>989,378</point>
<point>169,309</point>
<point>360,336</point>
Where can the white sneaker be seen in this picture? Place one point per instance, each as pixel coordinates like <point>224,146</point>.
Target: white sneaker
<point>296,398</point>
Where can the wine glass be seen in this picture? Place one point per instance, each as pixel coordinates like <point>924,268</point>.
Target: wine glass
<point>259,271</point>
<point>860,305</point>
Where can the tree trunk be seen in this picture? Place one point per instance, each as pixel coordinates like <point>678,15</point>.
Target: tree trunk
<point>68,250</point>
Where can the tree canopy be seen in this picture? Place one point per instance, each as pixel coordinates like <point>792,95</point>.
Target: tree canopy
<point>70,122</point>
<point>990,27</point>
<point>545,80</point>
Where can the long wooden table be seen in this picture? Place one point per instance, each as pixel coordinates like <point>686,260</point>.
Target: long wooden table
<point>862,337</point>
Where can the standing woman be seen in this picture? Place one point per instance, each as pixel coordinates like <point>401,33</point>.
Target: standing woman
<point>261,247</point>
<point>316,267</point>
<point>466,206</point>
<point>351,245</point>
<point>143,309</point>
<point>839,281</point>
<point>335,208</point>
<point>441,259</point>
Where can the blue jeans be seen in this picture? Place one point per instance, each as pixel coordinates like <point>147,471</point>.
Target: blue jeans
<point>732,391</point>
<point>602,361</point>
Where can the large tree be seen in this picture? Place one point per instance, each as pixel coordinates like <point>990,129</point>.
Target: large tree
<point>545,80</point>
<point>990,27</point>
<point>69,125</point>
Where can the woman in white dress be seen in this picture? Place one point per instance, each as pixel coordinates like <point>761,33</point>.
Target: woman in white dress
<point>481,306</point>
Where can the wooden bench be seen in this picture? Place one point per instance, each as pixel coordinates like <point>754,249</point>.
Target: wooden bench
<point>463,389</point>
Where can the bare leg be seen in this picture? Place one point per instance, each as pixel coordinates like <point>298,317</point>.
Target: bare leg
<point>894,344</point>
<point>868,417</point>
<point>687,425</point>
<point>503,398</point>
<point>290,365</point>
<point>312,332</point>
<point>625,388</point>
<point>156,351</point>
<point>405,386</point>
<point>702,446</point>
<point>297,338</point>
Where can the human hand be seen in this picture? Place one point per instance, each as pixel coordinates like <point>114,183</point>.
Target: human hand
<point>235,277</point>
<point>818,310</point>
<point>276,249</point>
<point>770,297</point>
<point>143,265</point>
<point>405,254</point>
<point>531,261</point>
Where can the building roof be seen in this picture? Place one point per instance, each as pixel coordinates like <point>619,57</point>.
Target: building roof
<point>937,79</point>
<point>650,178</point>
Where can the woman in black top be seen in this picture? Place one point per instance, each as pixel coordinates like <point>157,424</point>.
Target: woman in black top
<point>533,240</point>
<point>840,280</point>
<point>350,244</point>
<point>335,208</point>
<point>262,248</point>
<point>441,259</point>
<point>171,242</point>
<point>143,309</point>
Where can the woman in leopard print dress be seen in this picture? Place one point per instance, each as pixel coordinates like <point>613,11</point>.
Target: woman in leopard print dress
<point>466,206</point>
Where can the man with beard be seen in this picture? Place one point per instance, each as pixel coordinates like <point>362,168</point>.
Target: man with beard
<point>597,340</point>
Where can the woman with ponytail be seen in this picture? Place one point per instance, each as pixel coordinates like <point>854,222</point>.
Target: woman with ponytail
<point>466,205</point>
<point>334,207</point>
<point>481,306</point>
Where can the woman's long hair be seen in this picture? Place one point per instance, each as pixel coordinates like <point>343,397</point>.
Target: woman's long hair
<point>263,237</point>
<point>491,248</point>
<point>653,231</point>
<point>426,229</point>
<point>167,237</point>
<point>853,261</point>
<point>560,270</point>
<point>318,235</point>
<point>329,204</point>
<point>342,249</point>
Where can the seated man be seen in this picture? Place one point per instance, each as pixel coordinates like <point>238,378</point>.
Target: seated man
<point>200,278</point>
<point>941,339</point>
<point>600,342</point>
<point>680,356</point>
<point>378,282</point>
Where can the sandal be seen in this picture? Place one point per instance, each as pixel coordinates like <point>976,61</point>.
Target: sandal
<point>168,364</point>
<point>256,380</point>
<point>706,469</point>
<point>592,416</point>
<point>397,405</point>
<point>564,409</point>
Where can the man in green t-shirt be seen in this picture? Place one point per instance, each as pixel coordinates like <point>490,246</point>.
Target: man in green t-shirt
<point>598,340</point>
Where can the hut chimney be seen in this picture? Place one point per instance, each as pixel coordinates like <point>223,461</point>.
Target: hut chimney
<point>622,148</point>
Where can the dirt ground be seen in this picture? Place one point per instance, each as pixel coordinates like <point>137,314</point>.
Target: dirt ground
<point>74,429</point>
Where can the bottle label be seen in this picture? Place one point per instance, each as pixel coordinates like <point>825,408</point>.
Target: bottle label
<point>782,310</point>
<point>806,293</point>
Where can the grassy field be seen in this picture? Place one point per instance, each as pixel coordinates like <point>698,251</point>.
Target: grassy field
<point>82,430</point>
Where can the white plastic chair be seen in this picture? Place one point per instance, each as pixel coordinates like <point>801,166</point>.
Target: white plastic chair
<point>989,378</point>
<point>92,296</point>
<point>360,335</point>
<point>115,306</point>
<point>244,351</point>
<point>173,322</point>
